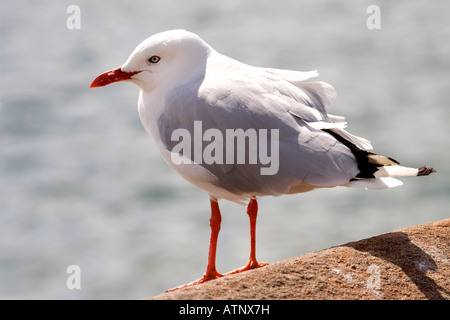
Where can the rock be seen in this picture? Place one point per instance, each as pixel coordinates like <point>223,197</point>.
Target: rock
<point>412,263</point>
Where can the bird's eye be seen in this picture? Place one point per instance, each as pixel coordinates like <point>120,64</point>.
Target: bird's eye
<point>154,59</point>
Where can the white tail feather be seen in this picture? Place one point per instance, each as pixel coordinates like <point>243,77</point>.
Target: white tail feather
<point>374,184</point>
<point>335,118</point>
<point>396,171</point>
<point>319,125</point>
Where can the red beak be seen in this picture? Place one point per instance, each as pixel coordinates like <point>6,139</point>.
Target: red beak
<point>112,76</point>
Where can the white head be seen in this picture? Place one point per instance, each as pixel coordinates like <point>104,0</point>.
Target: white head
<point>164,59</point>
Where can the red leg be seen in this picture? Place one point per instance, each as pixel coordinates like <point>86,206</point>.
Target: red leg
<point>211,272</point>
<point>252,211</point>
<point>214,222</point>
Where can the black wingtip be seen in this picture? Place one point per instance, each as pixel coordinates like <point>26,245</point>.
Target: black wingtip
<point>425,171</point>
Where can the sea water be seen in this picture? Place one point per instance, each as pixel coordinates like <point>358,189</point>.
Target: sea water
<point>88,208</point>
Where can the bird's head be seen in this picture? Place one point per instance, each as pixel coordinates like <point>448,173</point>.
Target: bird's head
<point>164,59</point>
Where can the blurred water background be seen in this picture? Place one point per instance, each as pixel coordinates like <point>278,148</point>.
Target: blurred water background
<point>82,184</point>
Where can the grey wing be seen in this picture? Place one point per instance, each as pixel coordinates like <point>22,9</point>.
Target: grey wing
<point>316,95</point>
<point>297,152</point>
<point>316,98</point>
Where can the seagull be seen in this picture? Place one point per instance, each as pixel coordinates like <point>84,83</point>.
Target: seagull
<point>241,132</point>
